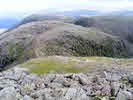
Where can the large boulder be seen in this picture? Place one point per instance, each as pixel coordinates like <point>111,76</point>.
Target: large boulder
<point>76,94</point>
<point>9,93</point>
<point>130,77</point>
<point>124,95</point>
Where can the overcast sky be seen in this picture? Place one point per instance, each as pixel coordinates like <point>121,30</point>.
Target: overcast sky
<point>34,5</point>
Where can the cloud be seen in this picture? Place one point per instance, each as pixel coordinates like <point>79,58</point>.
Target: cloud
<point>34,5</point>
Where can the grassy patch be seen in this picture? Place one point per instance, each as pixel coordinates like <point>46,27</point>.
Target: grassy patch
<point>96,58</point>
<point>62,64</point>
<point>44,65</point>
<point>126,60</point>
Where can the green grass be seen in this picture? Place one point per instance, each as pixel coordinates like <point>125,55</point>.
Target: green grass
<point>44,65</point>
<point>96,58</point>
<point>62,64</point>
<point>126,60</point>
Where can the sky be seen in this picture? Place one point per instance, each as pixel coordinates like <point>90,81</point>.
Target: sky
<point>10,6</point>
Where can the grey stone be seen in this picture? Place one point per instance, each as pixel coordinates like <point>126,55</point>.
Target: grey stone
<point>76,94</point>
<point>82,78</point>
<point>9,94</point>
<point>27,98</point>
<point>112,76</point>
<point>59,79</point>
<point>49,94</point>
<point>130,90</point>
<point>55,85</point>
<point>130,77</point>
<point>105,98</point>
<point>115,86</point>
<point>24,70</point>
<point>49,78</point>
<point>124,95</point>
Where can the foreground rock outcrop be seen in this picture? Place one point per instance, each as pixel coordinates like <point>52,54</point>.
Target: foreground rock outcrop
<point>112,84</point>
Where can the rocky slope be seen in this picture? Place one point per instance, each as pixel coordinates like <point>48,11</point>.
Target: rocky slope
<point>47,38</point>
<point>111,84</point>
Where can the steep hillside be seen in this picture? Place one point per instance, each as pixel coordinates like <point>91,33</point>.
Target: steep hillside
<point>114,25</point>
<point>47,38</point>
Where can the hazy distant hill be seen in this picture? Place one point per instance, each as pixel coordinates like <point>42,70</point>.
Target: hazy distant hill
<point>120,13</point>
<point>77,13</point>
<point>8,21</point>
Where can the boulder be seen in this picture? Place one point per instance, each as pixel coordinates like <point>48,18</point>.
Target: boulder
<point>115,86</point>
<point>9,93</point>
<point>111,77</point>
<point>76,94</point>
<point>27,98</point>
<point>124,95</point>
<point>105,98</point>
<point>81,78</point>
<point>130,77</point>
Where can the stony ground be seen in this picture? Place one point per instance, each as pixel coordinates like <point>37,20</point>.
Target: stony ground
<point>112,84</point>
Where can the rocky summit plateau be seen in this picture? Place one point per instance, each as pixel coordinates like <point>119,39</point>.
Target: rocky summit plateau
<point>112,84</point>
<point>55,57</point>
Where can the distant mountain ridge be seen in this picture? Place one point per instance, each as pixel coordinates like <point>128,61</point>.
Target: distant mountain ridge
<point>121,13</point>
<point>9,22</point>
<point>77,13</point>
